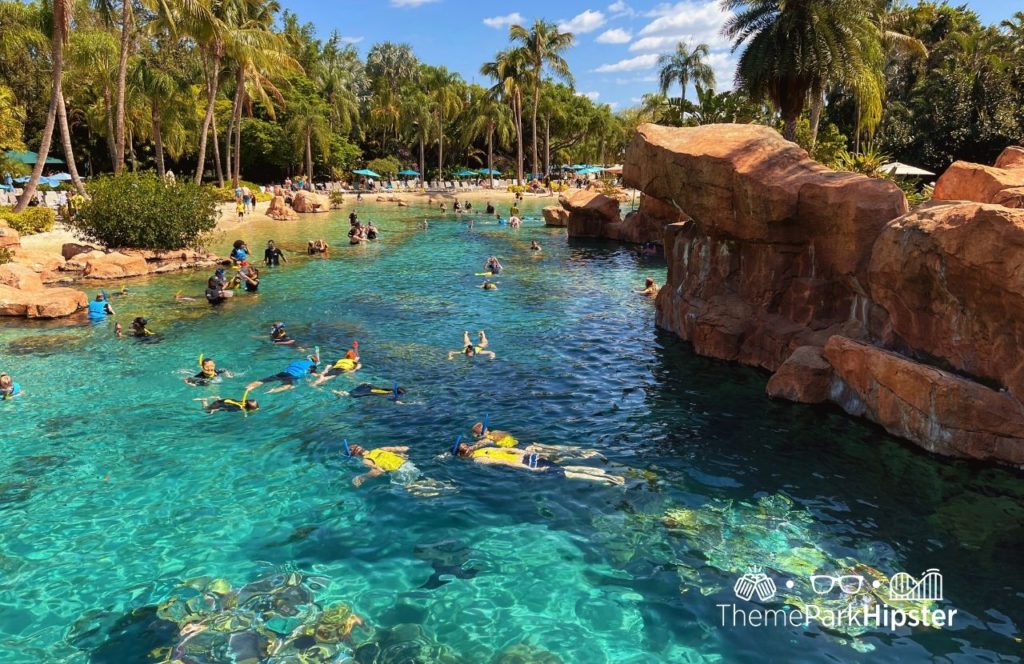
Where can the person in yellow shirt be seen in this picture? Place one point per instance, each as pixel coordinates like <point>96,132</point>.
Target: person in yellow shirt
<point>382,460</point>
<point>347,364</point>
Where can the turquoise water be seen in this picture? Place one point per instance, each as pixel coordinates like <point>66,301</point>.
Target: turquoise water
<point>116,488</point>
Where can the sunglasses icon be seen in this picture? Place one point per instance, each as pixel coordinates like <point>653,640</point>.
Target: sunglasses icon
<point>848,583</point>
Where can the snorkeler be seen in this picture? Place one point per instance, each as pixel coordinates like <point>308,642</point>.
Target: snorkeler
<point>382,460</point>
<point>288,378</point>
<point>279,336</point>
<point>8,388</point>
<point>368,390</point>
<point>229,405</point>
<point>486,436</point>
<point>100,308</point>
<point>493,265</point>
<point>489,285</point>
<point>524,460</point>
<point>534,246</point>
<point>208,373</point>
<point>345,365</point>
<point>469,350</point>
<point>139,328</point>
<point>650,288</point>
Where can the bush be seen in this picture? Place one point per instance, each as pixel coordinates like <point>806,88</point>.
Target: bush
<point>31,221</point>
<point>227,194</point>
<point>140,211</point>
<point>337,199</point>
<point>5,255</point>
<point>386,166</point>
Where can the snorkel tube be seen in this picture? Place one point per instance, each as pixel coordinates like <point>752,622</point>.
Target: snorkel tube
<point>348,450</point>
<point>483,431</point>
<point>394,391</point>
<point>455,446</point>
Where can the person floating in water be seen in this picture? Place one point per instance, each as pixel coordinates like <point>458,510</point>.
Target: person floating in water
<point>249,276</point>
<point>534,246</point>
<point>382,460</point>
<point>208,373</point>
<point>469,350</point>
<point>347,364</point>
<point>487,437</point>
<point>273,256</point>
<point>288,378</point>
<point>139,328</point>
<point>489,285</point>
<point>368,390</point>
<point>100,308</point>
<point>650,288</point>
<point>493,265</point>
<point>524,460</point>
<point>229,405</point>
<point>279,335</point>
<point>8,388</point>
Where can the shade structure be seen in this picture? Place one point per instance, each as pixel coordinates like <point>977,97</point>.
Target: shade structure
<point>48,181</point>
<point>60,177</point>
<point>367,172</point>
<point>29,157</point>
<point>617,168</point>
<point>899,168</point>
<point>587,170</point>
<point>409,171</point>
<point>488,171</point>
<point>465,173</point>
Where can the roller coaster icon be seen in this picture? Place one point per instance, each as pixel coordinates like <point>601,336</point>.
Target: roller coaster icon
<point>902,586</point>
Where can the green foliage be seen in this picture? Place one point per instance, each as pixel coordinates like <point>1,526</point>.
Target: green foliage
<point>139,210</point>
<point>866,163</point>
<point>916,195</point>
<point>5,255</point>
<point>829,145</point>
<point>337,199</point>
<point>386,166</point>
<point>31,221</point>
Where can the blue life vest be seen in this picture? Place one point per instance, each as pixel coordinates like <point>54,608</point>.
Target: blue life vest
<point>299,368</point>
<point>98,309</point>
<point>239,254</point>
<point>15,390</point>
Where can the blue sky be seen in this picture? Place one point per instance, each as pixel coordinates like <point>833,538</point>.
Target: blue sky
<point>617,43</point>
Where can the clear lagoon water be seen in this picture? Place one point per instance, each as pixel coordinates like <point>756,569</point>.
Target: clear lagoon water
<point>115,487</point>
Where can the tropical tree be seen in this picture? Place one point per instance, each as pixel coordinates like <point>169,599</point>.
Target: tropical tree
<point>491,119</point>
<point>542,46</point>
<point>509,69</point>
<point>793,48</point>
<point>307,124</point>
<point>684,65</point>
<point>445,97</point>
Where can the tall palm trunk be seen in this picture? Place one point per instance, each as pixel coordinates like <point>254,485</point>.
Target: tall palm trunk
<point>490,153</point>
<point>817,103</point>
<point>57,47</point>
<point>108,104</point>
<point>423,161</point>
<point>158,139</point>
<point>211,99</point>
<point>122,75</point>
<point>131,151</point>
<point>440,146</point>
<point>216,153</point>
<point>536,104</point>
<point>236,115</point>
<point>309,157</point>
<point>789,127</point>
<point>65,133</point>
<point>547,145</point>
<point>517,117</point>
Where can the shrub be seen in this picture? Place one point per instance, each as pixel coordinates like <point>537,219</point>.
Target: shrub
<point>140,211</point>
<point>227,194</point>
<point>337,199</point>
<point>5,255</point>
<point>386,166</point>
<point>31,221</point>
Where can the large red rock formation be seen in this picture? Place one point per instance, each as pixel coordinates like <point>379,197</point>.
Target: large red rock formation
<point>942,412</point>
<point>964,181</point>
<point>951,279</point>
<point>555,215</point>
<point>306,201</point>
<point>279,210</point>
<point>589,212</point>
<point>9,238</point>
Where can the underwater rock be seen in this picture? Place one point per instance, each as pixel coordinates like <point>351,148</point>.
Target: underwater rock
<point>403,644</point>
<point>525,653</point>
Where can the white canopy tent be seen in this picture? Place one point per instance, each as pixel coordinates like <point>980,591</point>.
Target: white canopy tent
<point>899,168</point>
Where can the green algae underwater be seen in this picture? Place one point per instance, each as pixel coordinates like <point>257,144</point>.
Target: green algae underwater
<point>136,528</point>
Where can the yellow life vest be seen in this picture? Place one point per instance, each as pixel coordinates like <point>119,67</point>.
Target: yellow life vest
<point>345,364</point>
<point>506,441</point>
<point>496,453</point>
<point>385,460</point>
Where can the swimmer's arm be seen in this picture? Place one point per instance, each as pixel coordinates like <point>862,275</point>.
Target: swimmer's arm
<point>453,353</point>
<point>374,472</point>
<point>253,385</point>
<point>396,448</point>
<point>490,353</point>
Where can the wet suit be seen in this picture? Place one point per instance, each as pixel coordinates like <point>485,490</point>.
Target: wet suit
<point>229,405</point>
<point>202,380</point>
<point>295,372</point>
<point>280,336</point>
<point>367,390</point>
<point>272,257</point>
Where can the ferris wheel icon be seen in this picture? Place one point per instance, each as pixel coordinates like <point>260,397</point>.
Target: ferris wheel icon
<point>902,586</point>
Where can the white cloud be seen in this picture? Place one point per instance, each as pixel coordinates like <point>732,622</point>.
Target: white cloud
<point>613,105</point>
<point>409,3</point>
<point>592,96</point>
<point>724,65</point>
<point>690,22</point>
<point>588,21</point>
<point>630,64</point>
<point>614,36</point>
<point>620,8</point>
<point>647,78</point>
<point>503,21</point>
<point>351,40</point>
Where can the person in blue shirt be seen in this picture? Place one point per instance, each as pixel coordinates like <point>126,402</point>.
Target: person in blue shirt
<point>8,388</point>
<point>288,378</point>
<point>239,251</point>
<point>100,308</point>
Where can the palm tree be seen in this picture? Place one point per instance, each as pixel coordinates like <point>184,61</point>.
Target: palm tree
<point>488,117</point>
<point>684,66</point>
<point>417,116</point>
<point>509,69</point>
<point>61,29</point>
<point>444,92</point>
<point>542,47</point>
<point>794,48</point>
<point>308,123</point>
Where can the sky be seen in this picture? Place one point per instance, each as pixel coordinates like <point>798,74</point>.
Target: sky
<point>617,43</point>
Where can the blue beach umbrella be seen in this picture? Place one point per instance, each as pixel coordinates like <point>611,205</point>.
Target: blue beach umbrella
<point>409,171</point>
<point>367,172</point>
<point>60,177</point>
<point>465,173</point>
<point>29,157</point>
<point>488,171</point>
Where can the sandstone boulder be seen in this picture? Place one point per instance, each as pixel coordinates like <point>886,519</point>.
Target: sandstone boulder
<point>20,276</point>
<point>279,210</point>
<point>9,238</point>
<point>555,215</point>
<point>71,249</point>
<point>964,181</point>
<point>940,411</point>
<point>647,223</point>
<point>1011,157</point>
<point>951,279</point>
<point>805,377</point>
<point>589,212</point>
<point>41,303</point>
<point>307,201</point>
<point>1012,197</point>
